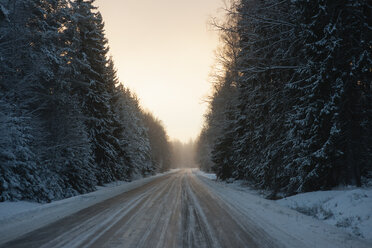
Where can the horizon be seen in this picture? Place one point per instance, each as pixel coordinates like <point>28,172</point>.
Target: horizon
<point>179,55</point>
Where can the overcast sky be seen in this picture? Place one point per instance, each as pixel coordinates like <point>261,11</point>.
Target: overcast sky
<point>164,50</point>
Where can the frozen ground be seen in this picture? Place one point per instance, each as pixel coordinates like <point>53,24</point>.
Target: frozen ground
<point>181,209</point>
<point>18,218</point>
<point>349,209</point>
<point>211,176</point>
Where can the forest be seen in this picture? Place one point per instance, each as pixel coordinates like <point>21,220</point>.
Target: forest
<point>66,123</point>
<point>284,148</point>
<point>291,108</point>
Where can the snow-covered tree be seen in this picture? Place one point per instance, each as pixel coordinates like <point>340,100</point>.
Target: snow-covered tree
<point>134,132</point>
<point>160,146</point>
<point>302,120</point>
<point>19,174</point>
<point>66,126</point>
<point>326,122</point>
<point>95,87</point>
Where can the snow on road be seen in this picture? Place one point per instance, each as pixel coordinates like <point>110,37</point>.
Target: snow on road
<point>347,209</point>
<point>180,209</point>
<point>18,218</point>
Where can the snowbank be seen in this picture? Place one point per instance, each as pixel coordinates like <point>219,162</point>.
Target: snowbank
<point>348,209</point>
<point>18,218</point>
<point>279,220</point>
<point>211,176</point>
<point>8,209</point>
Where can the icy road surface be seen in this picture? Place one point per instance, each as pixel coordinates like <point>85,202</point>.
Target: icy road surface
<point>182,209</point>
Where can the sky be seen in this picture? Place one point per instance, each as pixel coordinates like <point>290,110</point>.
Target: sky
<point>164,51</point>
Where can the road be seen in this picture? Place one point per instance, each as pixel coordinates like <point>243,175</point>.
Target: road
<point>181,209</point>
<point>175,210</point>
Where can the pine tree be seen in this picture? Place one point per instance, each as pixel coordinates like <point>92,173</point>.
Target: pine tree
<point>65,124</point>
<point>327,118</point>
<point>302,120</point>
<point>134,132</point>
<point>160,146</point>
<point>95,87</point>
<point>252,143</point>
<point>19,174</point>
<point>353,56</point>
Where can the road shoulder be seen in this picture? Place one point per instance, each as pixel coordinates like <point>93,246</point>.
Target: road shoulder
<point>282,223</point>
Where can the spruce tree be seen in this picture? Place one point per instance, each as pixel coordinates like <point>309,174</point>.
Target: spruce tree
<point>19,173</point>
<point>134,133</point>
<point>96,91</point>
<point>302,118</point>
<point>160,146</point>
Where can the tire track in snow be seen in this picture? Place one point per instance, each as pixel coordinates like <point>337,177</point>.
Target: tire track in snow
<point>196,231</point>
<point>176,210</point>
<point>60,233</point>
<point>121,223</point>
<point>235,232</point>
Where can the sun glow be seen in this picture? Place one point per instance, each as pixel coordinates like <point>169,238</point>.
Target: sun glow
<point>164,50</point>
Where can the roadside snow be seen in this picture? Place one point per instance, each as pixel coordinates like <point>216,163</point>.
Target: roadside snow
<point>8,209</point>
<point>280,221</point>
<point>211,176</point>
<point>349,209</point>
<point>18,218</point>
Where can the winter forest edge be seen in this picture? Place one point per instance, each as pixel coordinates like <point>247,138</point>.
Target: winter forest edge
<point>67,125</point>
<point>291,109</point>
<point>290,112</point>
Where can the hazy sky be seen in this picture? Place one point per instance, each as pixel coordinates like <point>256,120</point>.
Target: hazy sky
<point>164,50</point>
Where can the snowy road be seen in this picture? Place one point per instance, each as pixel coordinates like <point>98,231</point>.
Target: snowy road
<point>175,210</point>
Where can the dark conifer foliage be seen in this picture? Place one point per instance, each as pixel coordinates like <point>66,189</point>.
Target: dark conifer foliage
<point>159,142</point>
<point>301,117</point>
<point>134,133</point>
<point>96,100</point>
<point>66,123</point>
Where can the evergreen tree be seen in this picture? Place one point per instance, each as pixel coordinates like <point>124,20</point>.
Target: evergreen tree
<point>266,63</point>
<point>160,146</point>
<point>19,174</point>
<point>203,151</point>
<point>134,132</point>
<point>326,124</point>
<point>96,87</point>
<point>66,126</point>
<point>302,120</point>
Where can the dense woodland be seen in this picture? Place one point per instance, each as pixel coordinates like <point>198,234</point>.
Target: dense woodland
<point>291,109</point>
<point>66,123</point>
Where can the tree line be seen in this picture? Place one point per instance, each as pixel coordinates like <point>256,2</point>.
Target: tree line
<point>291,109</point>
<point>66,123</point>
